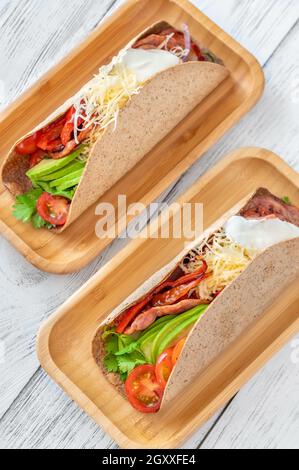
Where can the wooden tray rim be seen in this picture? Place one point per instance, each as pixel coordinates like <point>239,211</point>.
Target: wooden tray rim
<point>59,267</point>
<point>75,393</point>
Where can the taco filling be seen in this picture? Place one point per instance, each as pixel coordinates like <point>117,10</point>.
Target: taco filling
<point>55,156</point>
<point>140,347</point>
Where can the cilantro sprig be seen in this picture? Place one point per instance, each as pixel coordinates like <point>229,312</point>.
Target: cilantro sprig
<point>24,209</point>
<point>286,199</point>
<point>122,356</point>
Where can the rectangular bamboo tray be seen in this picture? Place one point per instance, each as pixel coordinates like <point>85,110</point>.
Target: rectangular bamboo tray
<point>64,342</point>
<point>78,245</point>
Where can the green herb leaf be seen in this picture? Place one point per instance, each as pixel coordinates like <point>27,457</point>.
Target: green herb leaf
<point>111,345</point>
<point>286,199</point>
<point>110,363</point>
<point>124,341</point>
<point>25,205</point>
<point>22,212</point>
<point>127,363</point>
<point>25,209</point>
<point>38,222</point>
<point>128,349</point>
<point>108,332</point>
<point>122,355</point>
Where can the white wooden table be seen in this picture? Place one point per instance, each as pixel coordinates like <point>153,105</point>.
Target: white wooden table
<point>34,412</point>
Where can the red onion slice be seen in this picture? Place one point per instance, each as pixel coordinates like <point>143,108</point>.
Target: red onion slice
<point>187,38</point>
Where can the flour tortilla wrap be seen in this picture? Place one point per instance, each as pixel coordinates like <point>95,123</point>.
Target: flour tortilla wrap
<point>164,101</point>
<point>230,314</point>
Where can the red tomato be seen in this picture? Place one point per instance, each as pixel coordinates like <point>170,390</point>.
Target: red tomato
<point>53,209</point>
<point>36,157</point>
<point>54,144</point>
<point>195,49</point>
<point>142,389</point>
<point>131,313</point>
<point>177,350</point>
<point>164,367</point>
<point>68,128</point>
<point>28,145</point>
<point>50,133</point>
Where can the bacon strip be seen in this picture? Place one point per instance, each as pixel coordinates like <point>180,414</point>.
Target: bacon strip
<point>63,151</point>
<point>131,313</point>
<point>147,318</point>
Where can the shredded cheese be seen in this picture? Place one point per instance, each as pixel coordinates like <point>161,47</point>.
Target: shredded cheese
<point>179,51</point>
<point>99,103</point>
<point>226,260</point>
<point>164,44</point>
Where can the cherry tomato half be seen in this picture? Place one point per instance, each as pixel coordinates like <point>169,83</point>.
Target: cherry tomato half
<point>28,145</point>
<point>164,367</point>
<point>53,209</point>
<point>142,389</point>
<point>177,350</point>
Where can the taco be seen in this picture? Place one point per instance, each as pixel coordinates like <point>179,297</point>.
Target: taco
<point>67,162</point>
<point>187,314</point>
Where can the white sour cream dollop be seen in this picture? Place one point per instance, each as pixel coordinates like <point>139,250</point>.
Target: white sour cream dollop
<point>259,233</point>
<point>146,63</point>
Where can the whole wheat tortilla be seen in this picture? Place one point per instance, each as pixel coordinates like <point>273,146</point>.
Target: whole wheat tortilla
<point>148,117</point>
<point>98,349</point>
<point>230,314</point>
<point>164,273</point>
<point>233,311</point>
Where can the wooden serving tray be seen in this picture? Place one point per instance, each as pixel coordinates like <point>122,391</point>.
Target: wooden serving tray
<point>64,343</point>
<point>78,245</point>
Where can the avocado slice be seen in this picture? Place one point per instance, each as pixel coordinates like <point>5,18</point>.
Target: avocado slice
<point>45,167</point>
<point>146,345</point>
<point>156,326</point>
<point>146,340</point>
<point>173,329</point>
<point>180,331</point>
<point>68,169</point>
<point>61,182</point>
<point>147,335</point>
<point>69,184</point>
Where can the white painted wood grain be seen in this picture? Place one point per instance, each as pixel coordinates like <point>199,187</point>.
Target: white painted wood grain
<point>44,418</point>
<point>35,34</point>
<point>258,25</point>
<point>265,413</point>
<point>41,420</point>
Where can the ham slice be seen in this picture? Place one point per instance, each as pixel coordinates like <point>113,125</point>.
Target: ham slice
<point>264,204</point>
<point>147,318</point>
